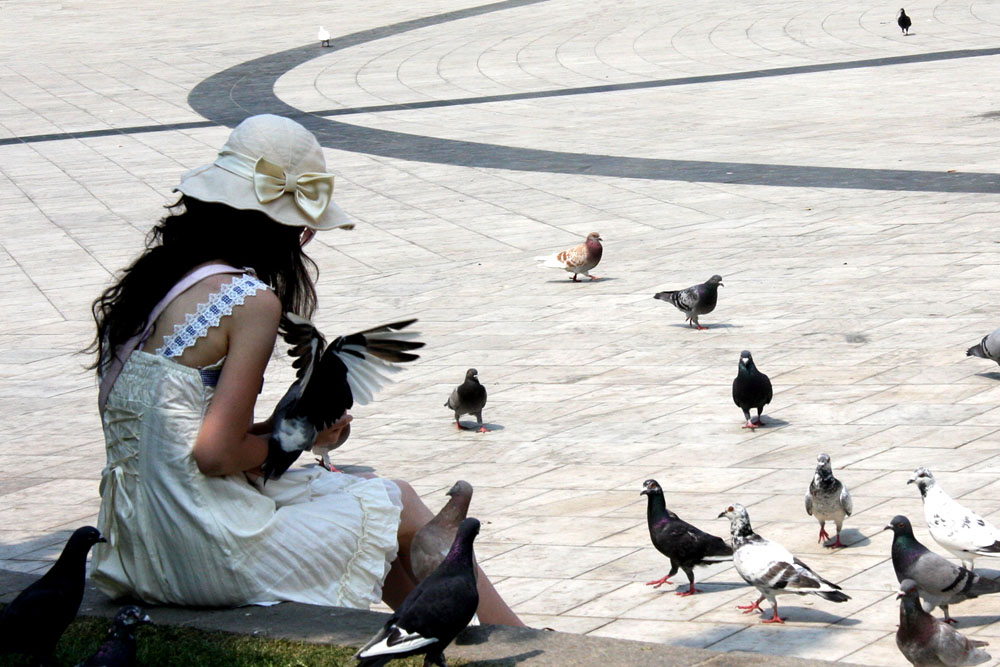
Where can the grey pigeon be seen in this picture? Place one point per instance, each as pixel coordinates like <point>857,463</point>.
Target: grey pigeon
<point>904,22</point>
<point>988,348</point>
<point>940,581</point>
<point>431,543</point>
<point>959,530</point>
<point>751,389</point>
<point>924,640</point>
<point>119,649</point>
<point>468,398</point>
<point>695,300</point>
<point>771,568</point>
<point>828,500</point>
<point>578,260</point>
<point>329,380</point>
<point>434,612</point>
<point>35,620</point>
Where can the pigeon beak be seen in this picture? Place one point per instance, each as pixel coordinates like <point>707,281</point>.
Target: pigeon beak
<point>887,528</point>
<point>102,539</point>
<point>722,515</point>
<point>911,480</point>
<point>721,285</point>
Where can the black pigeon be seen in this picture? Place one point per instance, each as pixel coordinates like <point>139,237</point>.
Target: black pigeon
<point>751,389</point>
<point>924,640</point>
<point>468,398</point>
<point>940,582</point>
<point>695,300</point>
<point>33,623</point>
<point>434,612</point>
<point>904,22</point>
<point>330,379</point>
<point>118,649</point>
<point>685,545</point>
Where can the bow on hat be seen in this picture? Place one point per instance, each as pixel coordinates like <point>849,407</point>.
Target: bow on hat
<point>312,190</point>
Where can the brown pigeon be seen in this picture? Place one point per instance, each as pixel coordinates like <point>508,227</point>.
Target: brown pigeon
<point>579,259</point>
<point>431,543</point>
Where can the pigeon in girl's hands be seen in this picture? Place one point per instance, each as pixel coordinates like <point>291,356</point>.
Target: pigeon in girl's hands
<point>695,300</point>
<point>685,545</point>
<point>924,640</point>
<point>771,568</point>
<point>434,612</point>
<point>432,542</point>
<point>828,499</point>
<point>988,348</point>
<point>468,398</point>
<point>118,649</point>
<point>330,379</point>
<point>751,389</point>
<point>579,259</point>
<point>940,582</point>
<point>33,623</point>
<point>957,529</point>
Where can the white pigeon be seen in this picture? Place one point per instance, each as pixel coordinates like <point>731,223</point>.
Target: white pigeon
<point>988,347</point>
<point>323,36</point>
<point>956,528</point>
<point>828,500</point>
<point>771,568</point>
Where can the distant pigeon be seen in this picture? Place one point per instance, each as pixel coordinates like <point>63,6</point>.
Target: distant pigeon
<point>957,529</point>
<point>940,581</point>
<point>579,259</point>
<point>751,389</point>
<point>432,542</point>
<point>771,568</point>
<point>924,640</point>
<point>118,649</point>
<point>434,612</point>
<point>330,379</point>
<point>323,36</point>
<point>828,499</point>
<point>904,22</point>
<point>468,398</point>
<point>33,623</point>
<point>988,348</point>
<point>695,300</point>
<point>682,543</point>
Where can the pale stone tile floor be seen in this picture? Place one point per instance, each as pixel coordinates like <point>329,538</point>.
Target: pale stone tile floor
<point>849,203</point>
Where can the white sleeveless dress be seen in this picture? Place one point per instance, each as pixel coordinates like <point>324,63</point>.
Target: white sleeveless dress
<point>180,537</point>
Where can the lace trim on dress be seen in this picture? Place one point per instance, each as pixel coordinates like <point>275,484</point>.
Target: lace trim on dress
<point>208,315</point>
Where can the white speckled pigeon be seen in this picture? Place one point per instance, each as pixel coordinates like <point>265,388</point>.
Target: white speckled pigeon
<point>988,348</point>
<point>751,389</point>
<point>828,500</point>
<point>468,398</point>
<point>695,300</point>
<point>578,260</point>
<point>924,640</point>
<point>119,649</point>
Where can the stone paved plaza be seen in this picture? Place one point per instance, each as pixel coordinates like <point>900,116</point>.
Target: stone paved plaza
<point>843,179</point>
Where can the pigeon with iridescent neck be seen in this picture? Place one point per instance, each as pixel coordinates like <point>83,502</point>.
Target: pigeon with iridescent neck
<point>695,300</point>
<point>924,640</point>
<point>828,500</point>
<point>751,389</point>
<point>578,260</point>
<point>119,648</point>
<point>468,398</point>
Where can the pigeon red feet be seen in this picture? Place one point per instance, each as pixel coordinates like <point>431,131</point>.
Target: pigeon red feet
<point>750,424</point>
<point>460,427</point>
<point>659,582</point>
<point>836,545</point>
<point>324,466</point>
<point>701,328</point>
<point>483,429</point>
<point>690,591</point>
<point>823,535</point>
<point>593,277</point>
<point>747,608</point>
<point>950,620</point>
<point>574,278</point>
<point>773,619</point>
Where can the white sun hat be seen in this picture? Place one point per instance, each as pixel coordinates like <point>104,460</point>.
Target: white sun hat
<point>273,165</point>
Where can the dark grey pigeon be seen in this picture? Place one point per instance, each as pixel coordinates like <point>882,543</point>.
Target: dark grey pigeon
<point>828,500</point>
<point>432,542</point>
<point>468,398</point>
<point>940,582</point>
<point>434,612</point>
<point>904,22</point>
<point>695,300</point>
<point>33,623</point>
<point>685,545</point>
<point>119,649</point>
<point>924,640</point>
<point>329,380</point>
<point>751,389</point>
<point>988,348</point>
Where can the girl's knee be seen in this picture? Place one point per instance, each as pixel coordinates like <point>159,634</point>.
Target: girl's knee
<point>405,489</point>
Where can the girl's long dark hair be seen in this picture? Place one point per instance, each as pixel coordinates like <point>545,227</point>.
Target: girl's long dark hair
<point>196,232</point>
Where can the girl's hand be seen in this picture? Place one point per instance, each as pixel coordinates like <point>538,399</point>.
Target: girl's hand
<point>337,434</point>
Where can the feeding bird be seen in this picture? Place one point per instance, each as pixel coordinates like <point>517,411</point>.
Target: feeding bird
<point>988,348</point>
<point>924,640</point>
<point>771,568</point>
<point>329,380</point>
<point>959,530</point>
<point>434,612</point>
<point>119,649</point>
<point>35,620</point>
<point>751,389</point>
<point>579,259</point>
<point>940,582</point>
<point>323,36</point>
<point>904,22</point>
<point>828,499</point>
<point>695,300</point>
<point>468,398</point>
<point>685,545</point>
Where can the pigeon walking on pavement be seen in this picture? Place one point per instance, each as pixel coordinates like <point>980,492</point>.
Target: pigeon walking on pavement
<point>924,640</point>
<point>685,545</point>
<point>119,649</point>
<point>468,398</point>
<point>323,36</point>
<point>329,380</point>
<point>578,260</point>
<point>434,612</point>
<point>695,300</point>
<point>940,582</point>
<point>904,22</point>
<point>771,568</point>
<point>828,500</point>
<point>988,348</point>
<point>35,620</point>
<point>751,389</point>
<point>959,530</point>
